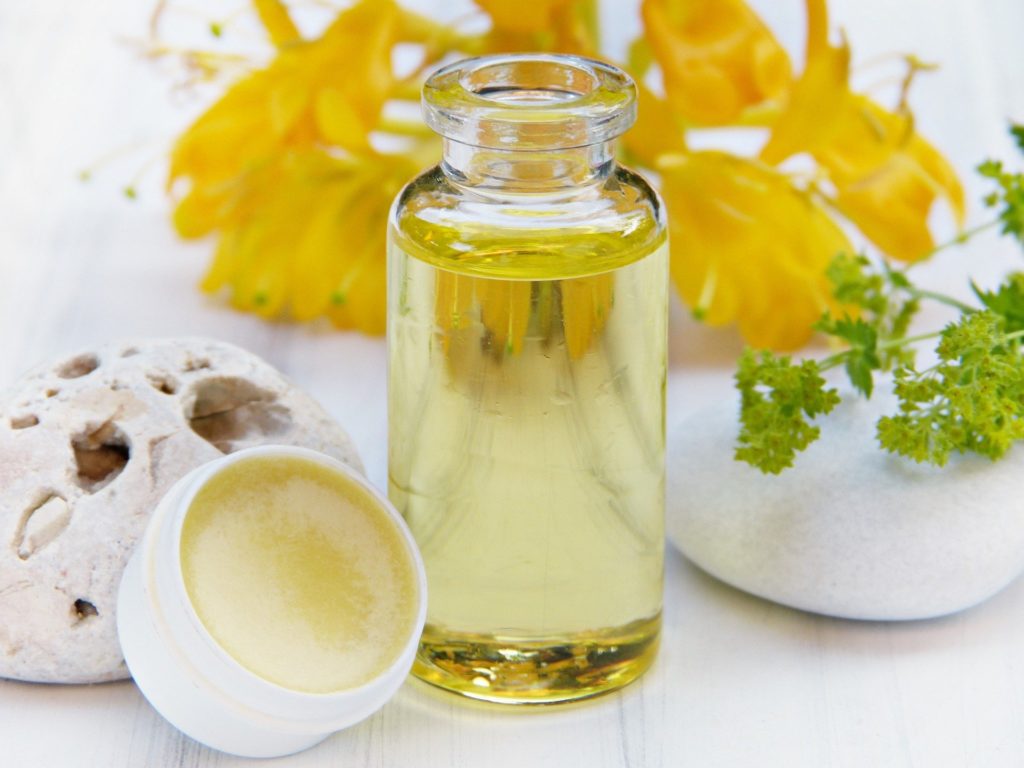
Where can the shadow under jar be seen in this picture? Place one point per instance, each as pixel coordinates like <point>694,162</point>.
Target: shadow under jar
<point>527,322</point>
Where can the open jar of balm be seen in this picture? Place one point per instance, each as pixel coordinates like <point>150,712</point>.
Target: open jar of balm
<point>275,598</point>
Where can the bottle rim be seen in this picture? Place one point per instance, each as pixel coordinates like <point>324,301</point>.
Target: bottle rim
<point>529,101</point>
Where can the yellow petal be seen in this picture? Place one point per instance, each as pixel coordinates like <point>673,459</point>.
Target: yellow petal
<point>229,137</point>
<point>366,288</point>
<point>303,236</point>
<point>308,94</point>
<point>227,258</point>
<point>565,26</point>
<point>505,312</point>
<point>354,57</point>
<point>286,106</point>
<point>892,205</point>
<point>323,248</point>
<point>656,131</point>
<point>886,176</point>
<point>586,304</point>
<point>748,247</point>
<point>198,213</point>
<point>454,303</point>
<point>717,58</point>
<point>819,99</point>
<point>519,17</point>
<point>277,21</point>
<point>365,282</point>
<point>338,122</point>
<point>940,175</point>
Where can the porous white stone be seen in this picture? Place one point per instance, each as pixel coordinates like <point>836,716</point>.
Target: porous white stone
<point>850,531</point>
<point>88,446</point>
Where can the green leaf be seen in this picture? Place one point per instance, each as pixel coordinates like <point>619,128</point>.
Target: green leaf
<point>1009,197</point>
<point>853,282</point>
<point>897,278</point>
<point>972,401</point>
<point>888,303</point>
<point>777,399</point>
<point>1017,131</point>
<point>862,357</point>
<point>1007,301</point>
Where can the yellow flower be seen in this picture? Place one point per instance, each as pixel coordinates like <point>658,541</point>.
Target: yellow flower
<point>887,177</point>
<point>281,169</point>
<point>586,304</point>
<point>454,301</point>
<point>525,18</point>
<point>566,26</point>
<point>889,199</point>
<point>303,236</point>
<point>821,93</point>
<point>277,21</point>
<point>470,310</point>
<point>504,312</point>
<point>656,131</point>
<point>717,58</point>
<point>748,247</point>
<point>330,91</point>
<point>301,230</point>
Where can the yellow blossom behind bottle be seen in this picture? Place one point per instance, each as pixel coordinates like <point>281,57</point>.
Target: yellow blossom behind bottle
<point>748,247</point>
<point>287,171</point>
<point>887,176</point>
<point>717,58</point>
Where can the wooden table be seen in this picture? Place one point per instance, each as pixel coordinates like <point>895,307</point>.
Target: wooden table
<point>739,682</point>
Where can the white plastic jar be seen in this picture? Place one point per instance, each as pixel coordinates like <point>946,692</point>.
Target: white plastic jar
<point>194,682</point>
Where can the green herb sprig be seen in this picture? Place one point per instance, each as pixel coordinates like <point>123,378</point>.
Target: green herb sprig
<point>970,401</point>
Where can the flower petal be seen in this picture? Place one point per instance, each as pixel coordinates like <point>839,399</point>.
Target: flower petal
<point>277,21</point>
<point>337,121</point>
<point>748,247</point>
<point>523,18</point>
<point>326,90</point>
<point>586,304</point>
<point>656,131</point>
<point>505,312</point>
<point>717,58</point>
<point>818,99</point>
<point>886,176</point>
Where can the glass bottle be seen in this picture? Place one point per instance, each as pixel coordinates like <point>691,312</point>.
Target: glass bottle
<point>527,322</point>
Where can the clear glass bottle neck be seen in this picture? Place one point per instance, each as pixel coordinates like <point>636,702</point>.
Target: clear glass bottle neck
<point>538,171</point>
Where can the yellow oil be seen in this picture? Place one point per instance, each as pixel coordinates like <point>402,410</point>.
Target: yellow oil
<point>298,574</point>
<point>526,454</point>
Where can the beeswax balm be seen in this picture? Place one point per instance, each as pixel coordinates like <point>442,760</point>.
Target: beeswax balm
<point>298,574</point>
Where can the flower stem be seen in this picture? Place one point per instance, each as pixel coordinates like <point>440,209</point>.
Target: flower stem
<point>903,341</point>
<point>920,293</point>
<point>840,357</point>
<point>960,239</point>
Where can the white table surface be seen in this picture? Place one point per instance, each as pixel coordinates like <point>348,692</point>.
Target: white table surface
<point>739,682</point>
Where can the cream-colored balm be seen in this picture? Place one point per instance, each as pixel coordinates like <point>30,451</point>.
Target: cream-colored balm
<point>298,574</point>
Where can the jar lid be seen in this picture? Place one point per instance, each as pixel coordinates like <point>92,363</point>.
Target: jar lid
<point>275,598</point>
<point>529,101</point>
